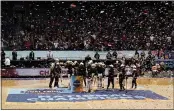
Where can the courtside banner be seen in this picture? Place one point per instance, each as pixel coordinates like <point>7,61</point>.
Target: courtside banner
<point>12,72</point>
<point>9,72</point>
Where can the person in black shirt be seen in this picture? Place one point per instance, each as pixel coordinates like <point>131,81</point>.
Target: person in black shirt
<point>14,55</point>
<point>136,54</point>
<point>108,56</point>
<point>142,55</point>
<point>111,76</point>
<point>31,55</point>
<point>97,56</point>
<point>87,59</point>
<point>55,71</point>
<point>114,54</point>
<point>2,57</point>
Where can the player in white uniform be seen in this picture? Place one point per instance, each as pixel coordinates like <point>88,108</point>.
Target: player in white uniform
<point>128,73</point>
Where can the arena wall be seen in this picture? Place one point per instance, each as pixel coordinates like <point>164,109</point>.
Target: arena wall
<point>73,55</point>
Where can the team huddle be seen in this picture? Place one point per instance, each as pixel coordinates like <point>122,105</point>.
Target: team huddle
<point>94,74</point>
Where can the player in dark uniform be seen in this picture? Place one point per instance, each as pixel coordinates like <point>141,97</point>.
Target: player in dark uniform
<point>81,71</point>
<point>95,73</point>
<point>103,78</point>
<point>89,76</point>
<point>135,75</point>
<point>100,70</point>
<point>69,65</point>
<point>148,62</point>
<point>55,71</point>
<point>122,77</point>
<point>91,72</point>
<point>117,68</point>
<point>111,76</point>
<point>75,66</point>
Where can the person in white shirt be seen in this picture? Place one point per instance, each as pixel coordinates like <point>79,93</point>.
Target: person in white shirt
<point>152,38</point>
<point>7,62</point>
<point>49,55</point>
<point>169,39</point>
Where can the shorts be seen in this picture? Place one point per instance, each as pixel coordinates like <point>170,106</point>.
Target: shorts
<point>100,75</point>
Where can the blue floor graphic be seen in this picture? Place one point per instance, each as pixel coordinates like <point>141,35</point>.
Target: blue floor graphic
<point>23,78</point>
<point>65,95</point>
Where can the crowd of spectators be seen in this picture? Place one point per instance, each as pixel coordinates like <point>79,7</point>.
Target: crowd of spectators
<point>99,25</point>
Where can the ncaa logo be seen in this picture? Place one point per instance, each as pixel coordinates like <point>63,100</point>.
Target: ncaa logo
<point>76,83</point>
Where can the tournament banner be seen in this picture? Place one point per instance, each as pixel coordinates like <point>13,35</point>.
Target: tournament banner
<point>76,83</point>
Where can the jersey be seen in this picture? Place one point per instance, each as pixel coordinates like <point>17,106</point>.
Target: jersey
<point>92,72</point>
<point>81,71</point>
<point>111,73</point>
<point>128,71</point>
<point>70,69</point>
<point>55,70</point>
<point>100,69</point>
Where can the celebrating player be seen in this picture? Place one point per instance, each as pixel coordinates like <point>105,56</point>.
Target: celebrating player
<point>55,71</point>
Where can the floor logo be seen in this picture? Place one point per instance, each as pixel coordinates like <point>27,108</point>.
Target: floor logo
<point>65,95</point>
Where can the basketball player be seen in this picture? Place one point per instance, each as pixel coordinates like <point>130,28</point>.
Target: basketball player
<point>117,69</point>
<point>128,73</point>
<point>91,72</point>
<point>111,76</point>
<point>134,74</point>
<point>69,65</point>
<point>55,71</point>
<point>75,66</point>
<point>154,70</point>
<point>94,73</point>
<point>82,72</point>
<point>100,71</point>
<point>122,77</point>
<point>103,77</point>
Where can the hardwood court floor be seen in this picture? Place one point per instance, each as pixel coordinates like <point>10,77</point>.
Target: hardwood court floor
<point>160,86</point>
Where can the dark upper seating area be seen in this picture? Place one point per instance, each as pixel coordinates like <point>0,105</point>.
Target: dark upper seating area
<point>61,25</point>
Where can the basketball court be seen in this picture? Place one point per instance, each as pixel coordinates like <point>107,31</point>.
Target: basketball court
<point>151,93</point>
